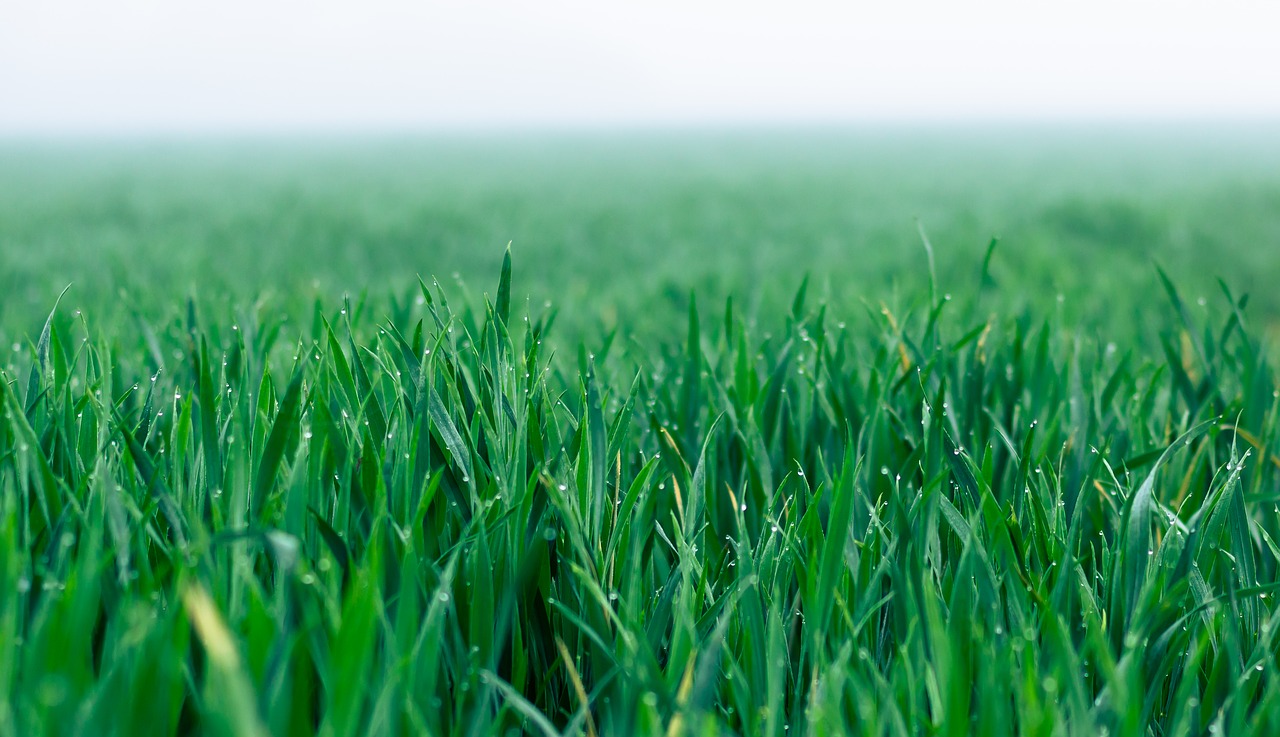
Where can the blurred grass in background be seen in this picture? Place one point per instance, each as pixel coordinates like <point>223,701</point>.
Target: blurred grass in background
<point>618,228</point>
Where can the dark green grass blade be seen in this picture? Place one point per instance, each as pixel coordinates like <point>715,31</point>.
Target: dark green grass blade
<point>280,443</point>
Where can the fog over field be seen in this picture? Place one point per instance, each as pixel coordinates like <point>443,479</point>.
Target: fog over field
<point>579,369</point>
<point>140,65</point>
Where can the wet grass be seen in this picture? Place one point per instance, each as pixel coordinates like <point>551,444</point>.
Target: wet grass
<point>934,514</point>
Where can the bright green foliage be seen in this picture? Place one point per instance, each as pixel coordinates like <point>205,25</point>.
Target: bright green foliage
<point>924,521</point>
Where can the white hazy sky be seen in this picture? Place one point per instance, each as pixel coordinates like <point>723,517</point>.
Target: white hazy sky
<point>132,65</point>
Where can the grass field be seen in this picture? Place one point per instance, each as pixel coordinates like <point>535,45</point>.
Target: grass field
<point>609,225</point>
<point>720,446</point>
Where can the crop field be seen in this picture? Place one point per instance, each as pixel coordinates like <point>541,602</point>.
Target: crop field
<point>787,433</point>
